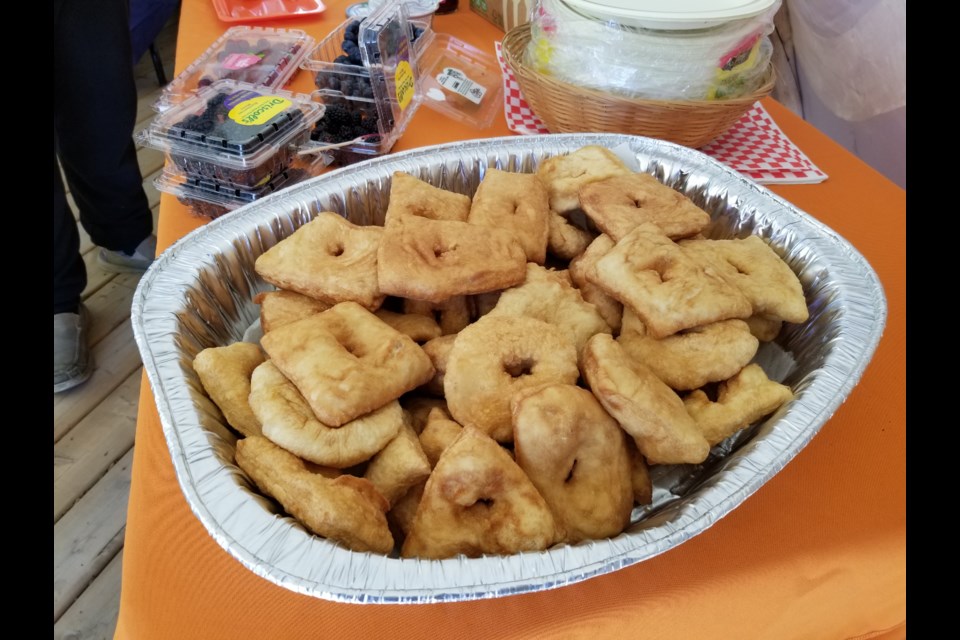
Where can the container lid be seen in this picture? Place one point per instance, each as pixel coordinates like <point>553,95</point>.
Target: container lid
<point>675,15</point>
<point>232,124</point>
<point>226,195</point>
<point>258,55</point>
<point>461,81</point>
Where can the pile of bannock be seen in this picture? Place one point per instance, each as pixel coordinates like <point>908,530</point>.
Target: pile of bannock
<point>484,376</point>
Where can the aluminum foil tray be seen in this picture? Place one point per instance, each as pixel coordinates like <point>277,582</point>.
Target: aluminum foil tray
<point>198,294</point>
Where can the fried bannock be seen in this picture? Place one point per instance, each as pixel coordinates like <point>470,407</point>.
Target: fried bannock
<point>347,362</point>
<point>329,258</point>
<point>281,307</point>
<point>399,465</point>
<point>610,309</point>
<point>667,289</point>
<point>618,204</point>
<point>434,260</point>
<point>644,405</point>
<point>289,422</point>
<point>576,456</point>
<point>517,202</point>
<point>564,239</point>
<point>225,374</point>
<point>564,175</point>
<point>493,358</point>
<point>345,509</point>
<point>478,501</point>
<point>411,196</point>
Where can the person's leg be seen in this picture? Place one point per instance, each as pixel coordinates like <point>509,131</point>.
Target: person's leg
<point>95,104</point>
<point>69,273</point>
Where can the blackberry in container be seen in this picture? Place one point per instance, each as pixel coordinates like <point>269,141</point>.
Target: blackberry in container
<point>258,55</point>
<point>347,119</point>
<point>234,132</point>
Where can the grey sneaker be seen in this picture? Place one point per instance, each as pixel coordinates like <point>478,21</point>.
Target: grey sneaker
<point>137,262</point>
<point>71,355</point>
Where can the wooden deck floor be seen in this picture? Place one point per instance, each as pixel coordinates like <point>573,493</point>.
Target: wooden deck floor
<point>94,424</point>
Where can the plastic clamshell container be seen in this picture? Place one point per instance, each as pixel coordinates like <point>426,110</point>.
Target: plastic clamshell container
<point>251,10</point>
<point>388,70</point>
<point>211,199</point>
<point>244,142</point>
<point>358,151</point>
<point>260,56</point>
<point>461,81</point>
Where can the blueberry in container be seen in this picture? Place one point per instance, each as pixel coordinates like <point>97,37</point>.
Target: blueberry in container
<point>261,56</point>
<point>234,132</point>
<point>211,199</point>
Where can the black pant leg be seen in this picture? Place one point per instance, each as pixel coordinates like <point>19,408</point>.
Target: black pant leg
<point>95,106</point>
<point>69,273</point>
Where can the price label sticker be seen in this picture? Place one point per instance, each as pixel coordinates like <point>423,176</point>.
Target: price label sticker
<point>455,80</point>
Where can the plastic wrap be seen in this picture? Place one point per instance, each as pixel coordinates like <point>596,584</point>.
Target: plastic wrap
<point>710,63</point>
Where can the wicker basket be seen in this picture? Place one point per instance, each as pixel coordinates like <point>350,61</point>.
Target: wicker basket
<point>567,108</point>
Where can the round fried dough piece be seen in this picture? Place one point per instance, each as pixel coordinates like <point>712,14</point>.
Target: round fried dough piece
<point>478,501</point>
<point>576,455</point>
<point>644,405</point>
<point>694,357</point>
<point>495,357</point>
<point>345,509</point>
<point>289,422</point>
<point>225,374</point>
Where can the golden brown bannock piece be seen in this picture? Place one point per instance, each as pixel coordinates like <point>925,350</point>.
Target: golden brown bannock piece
<point>693,357</point>
<point>400,465</point>
<point>547,296</point>
<point>576,456</point>
<point>438,350</point>
<point>610,309</point>
<point>411,196</point>
<point>478,501</point>
<point>494,358</point>
<point>434,260</point>
<point>281,307</point>
<point>419,327</point>
<point>347,362</point>
<point>452,314</point>
<point>517,202</point>
<point>764,328</point>
<point>289,422</point>
<point>418,408</point>
<point>754,268</point>
<point>741,401</point>
<point>401,514</point>
<point>346,509</point>
<point>639,475</point>
<point>667,289</point>
<point>564,239</point>
<point>329,258</point>
<point>644,405</point>
<point>225,374</point>
<point>564,175</point>
<point>438,434</point>
<point>617,205</point>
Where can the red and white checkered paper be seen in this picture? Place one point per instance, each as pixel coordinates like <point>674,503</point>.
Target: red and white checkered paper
<point>754,146</point>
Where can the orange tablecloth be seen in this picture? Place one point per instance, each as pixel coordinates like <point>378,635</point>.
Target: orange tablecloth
<point>818,552</point>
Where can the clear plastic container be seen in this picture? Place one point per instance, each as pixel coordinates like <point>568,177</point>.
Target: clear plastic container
<point>234,132</point>
<point>211,199</point>
<point>461,81</point>
<point>345,119</point>
<point>258,55</point>
<point>372,61</point>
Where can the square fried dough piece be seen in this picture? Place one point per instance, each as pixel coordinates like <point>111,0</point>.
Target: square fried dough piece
<point>478,501</point>
<point>281,307</point>
<point>754,268</point>
<point>517,202</point>
<point>329,258</point>
<point>399,466</point>
<point>435,260</point>
<point>420,328</point>
<point>347,362</point>
<point>742,400</point>
<point>617,205</point>
<point>667,289</point>
<point>289,422</point>
<point>411,196</point>
<point>225,374</point>
<point>564,175</point>
<point>345,509</point>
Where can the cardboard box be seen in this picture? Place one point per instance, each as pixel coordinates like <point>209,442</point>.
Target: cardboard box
<point>506,14</point>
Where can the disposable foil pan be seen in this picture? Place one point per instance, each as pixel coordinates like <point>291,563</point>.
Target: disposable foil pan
<point>198,294</point>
